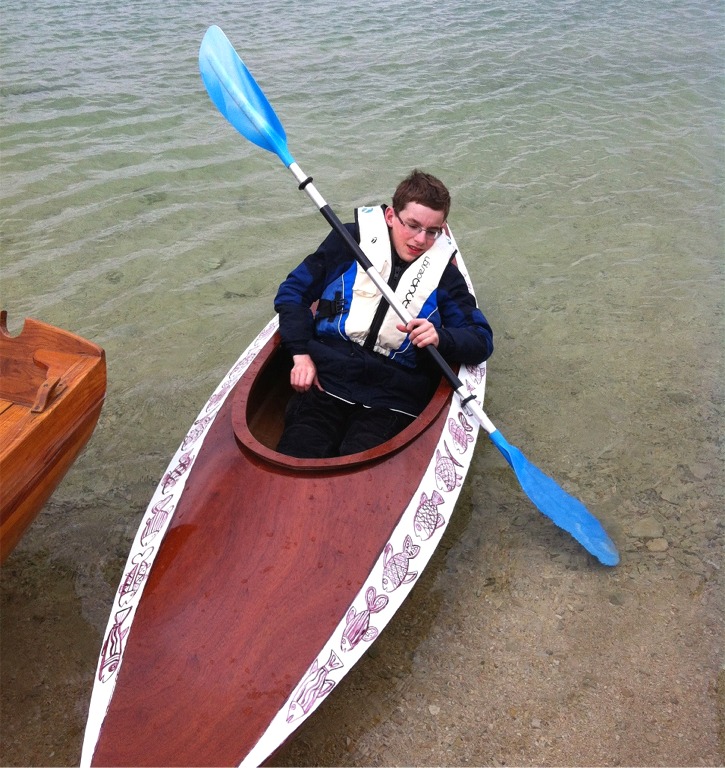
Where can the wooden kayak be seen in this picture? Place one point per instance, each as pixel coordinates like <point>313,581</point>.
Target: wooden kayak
<point>257,580</point>
<point>52,387</point>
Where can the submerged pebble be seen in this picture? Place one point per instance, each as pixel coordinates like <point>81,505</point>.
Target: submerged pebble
<point>647,528</point>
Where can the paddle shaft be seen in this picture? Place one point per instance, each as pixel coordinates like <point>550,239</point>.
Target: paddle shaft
<point>238,97</point>
<point>305,183</point>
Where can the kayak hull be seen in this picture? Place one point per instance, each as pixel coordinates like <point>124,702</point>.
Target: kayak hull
<point>271,575</point>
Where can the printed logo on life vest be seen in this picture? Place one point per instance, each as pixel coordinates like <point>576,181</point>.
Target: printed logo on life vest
<point>416,281</point>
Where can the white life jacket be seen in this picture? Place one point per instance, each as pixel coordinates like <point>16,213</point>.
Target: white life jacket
<point>417,284</point>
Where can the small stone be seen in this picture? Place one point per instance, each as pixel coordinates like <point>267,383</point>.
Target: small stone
<point>658,545</point>
<point>154,197</point>
<point>700,471</point>
<point>647,528</point>
<point>536,723</point>
<point>673,493</point>
<point>434,710</point>
<point>212,263</point>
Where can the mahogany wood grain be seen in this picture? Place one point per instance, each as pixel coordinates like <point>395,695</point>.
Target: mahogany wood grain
<point>262,559</point>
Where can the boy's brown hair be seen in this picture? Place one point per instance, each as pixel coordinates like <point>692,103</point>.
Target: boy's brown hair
<point>424,189</point>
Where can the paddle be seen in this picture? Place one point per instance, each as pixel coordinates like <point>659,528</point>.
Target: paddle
<point>242,102</point>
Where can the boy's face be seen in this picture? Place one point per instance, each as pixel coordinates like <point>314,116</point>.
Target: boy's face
<point>409,243</point>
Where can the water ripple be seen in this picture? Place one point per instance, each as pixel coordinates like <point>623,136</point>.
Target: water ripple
<point>577,137</point>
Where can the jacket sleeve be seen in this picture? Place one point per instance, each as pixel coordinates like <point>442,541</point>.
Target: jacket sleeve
<point>305,285</point>
<point>466,336</point>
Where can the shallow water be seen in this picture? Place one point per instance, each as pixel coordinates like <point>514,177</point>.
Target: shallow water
<point>582,145</point>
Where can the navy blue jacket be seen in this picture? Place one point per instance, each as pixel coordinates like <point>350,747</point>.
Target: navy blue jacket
<point>349,371</point>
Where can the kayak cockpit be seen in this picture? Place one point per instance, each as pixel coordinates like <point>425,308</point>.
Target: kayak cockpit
<point>259,404</point>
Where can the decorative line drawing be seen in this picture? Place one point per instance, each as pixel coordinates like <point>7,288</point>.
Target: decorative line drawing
<point>395,567</point>
<point>171,477</point>
<point>460,432</point>
<point>427,518</point>
<point>113,646</point>
<point>132,581</point>
<point>446,476</point>
<point>358,626</point>
<point>316,685</point>
<point>160,512</point>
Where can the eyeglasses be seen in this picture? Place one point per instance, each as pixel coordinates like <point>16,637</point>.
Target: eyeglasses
<point>430,234</point>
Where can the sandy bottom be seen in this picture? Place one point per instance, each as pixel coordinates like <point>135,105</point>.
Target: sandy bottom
<point>515,648</point>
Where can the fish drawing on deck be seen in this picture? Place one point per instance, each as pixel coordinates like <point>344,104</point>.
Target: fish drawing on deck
<point>196,431</point>
<point>446,476</point>
<point>140,567</point>
<point>160,512</point>
<point>316,685</point>
<point>113,646</point>
<point>170,479</point>
<point>427,517</point>
<point>460,432</point>
<point>358,624</point>
<point>395,567</point>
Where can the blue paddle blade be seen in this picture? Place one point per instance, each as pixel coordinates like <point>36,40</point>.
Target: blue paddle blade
<point>238,97</point>
<point>566,511</point>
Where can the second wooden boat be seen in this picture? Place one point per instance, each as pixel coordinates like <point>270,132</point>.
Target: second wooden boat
<point>52,388</point>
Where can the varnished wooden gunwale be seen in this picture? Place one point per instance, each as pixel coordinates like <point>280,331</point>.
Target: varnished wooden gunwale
<point>52,387</point>
<point>263,557</point>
